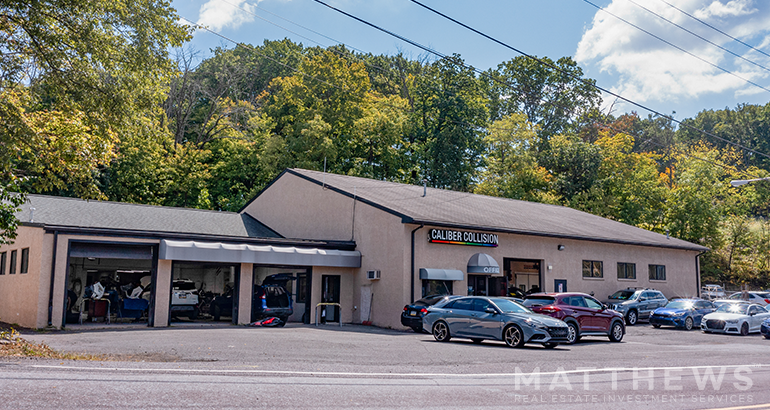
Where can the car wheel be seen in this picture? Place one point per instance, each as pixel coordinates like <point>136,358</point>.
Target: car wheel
<point>632,318</point>
<point>573,334</point>
<point>656,326</point>
<point>745,329</point>
<point>550,345</point>
<point>688,324</point>
<point>616,332</point>
<point>477,341</point>
<point>216,312</point>
<point>417,329</point>
<point>441,332</point>
<point>767,336</point>
<point>513,336</point>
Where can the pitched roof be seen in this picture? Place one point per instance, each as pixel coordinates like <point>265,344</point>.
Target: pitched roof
<point>79,213</point>
<point>447,208</point>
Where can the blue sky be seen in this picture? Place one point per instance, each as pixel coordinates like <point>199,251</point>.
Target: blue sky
<point>620,57</point>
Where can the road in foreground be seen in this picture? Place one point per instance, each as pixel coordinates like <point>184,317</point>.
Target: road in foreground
<point>362,367</point>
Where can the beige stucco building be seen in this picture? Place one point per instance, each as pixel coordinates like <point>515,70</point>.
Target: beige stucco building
<point>369,246</point>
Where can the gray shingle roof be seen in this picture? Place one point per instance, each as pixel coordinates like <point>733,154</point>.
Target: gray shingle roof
<point>72,212</point>
<point>459,209</point>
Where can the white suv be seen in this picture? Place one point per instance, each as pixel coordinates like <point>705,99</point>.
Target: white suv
<point>184,299</point>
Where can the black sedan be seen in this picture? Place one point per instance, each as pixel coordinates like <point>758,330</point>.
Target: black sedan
<point>412,314</point>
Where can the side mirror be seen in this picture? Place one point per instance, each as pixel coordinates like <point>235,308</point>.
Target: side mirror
<point>491,310</point>
<point>642,299</point>
<point>604,306</point>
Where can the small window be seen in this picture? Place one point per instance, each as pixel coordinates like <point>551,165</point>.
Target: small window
<point>593,269</point>
<point>464,304</point>
<point>481,305</point>
<point>3,257</point>
<point>13,263</point>
<point>626,270</point>
<point>24,261</point>
<point>301,288</point>
<point>657,272</point>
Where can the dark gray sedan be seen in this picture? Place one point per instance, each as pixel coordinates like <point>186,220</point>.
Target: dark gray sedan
<point>479,318</point>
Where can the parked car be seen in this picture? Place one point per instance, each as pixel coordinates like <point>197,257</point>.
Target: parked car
<point>682,313</point>
<point>764,328</point>
<point>268,300</point>
<point>736,318</point>
<point>498,318</point>
<point>760,298</point>
<point>712,292</point>
<point>584,315</point>
<point>184,299</point>
<point>413,313</point>
<point>636,304</point>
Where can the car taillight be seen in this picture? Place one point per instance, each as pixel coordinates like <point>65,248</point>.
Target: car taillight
<point>550,309</point>
<point>405,309</point>
<point>423,311</point>
<point>767,301</point>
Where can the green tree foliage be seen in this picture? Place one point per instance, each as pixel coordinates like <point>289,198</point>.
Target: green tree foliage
<point>552,99</point>
<point>449,118</point>
<point>574,165</point>
<point>512,169</point>
<point>74,75</point>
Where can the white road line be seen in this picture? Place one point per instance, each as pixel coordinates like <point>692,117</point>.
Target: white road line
<point>353,374</point>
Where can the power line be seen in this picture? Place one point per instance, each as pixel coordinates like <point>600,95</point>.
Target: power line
<point>674,45</point>
<point>714,28</point>
<point>699,36</point>
<point>541,61</point>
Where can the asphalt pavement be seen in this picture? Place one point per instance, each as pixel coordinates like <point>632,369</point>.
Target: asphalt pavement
<point>299,366</point>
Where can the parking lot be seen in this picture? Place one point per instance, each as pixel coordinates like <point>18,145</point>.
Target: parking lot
<point>392,368</point>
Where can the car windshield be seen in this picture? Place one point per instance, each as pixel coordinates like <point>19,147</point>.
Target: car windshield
<point>622,295</point>
<point>509,306</point>
<point>537,301</point>
<point>740,308</point>
<point>680,304</point>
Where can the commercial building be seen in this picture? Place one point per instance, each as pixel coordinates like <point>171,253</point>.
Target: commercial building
<point>367,246</point>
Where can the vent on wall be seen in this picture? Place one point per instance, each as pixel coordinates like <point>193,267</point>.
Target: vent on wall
<point>372,274</point>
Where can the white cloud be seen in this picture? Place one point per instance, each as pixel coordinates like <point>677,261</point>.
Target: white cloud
<point>647,69</point>
<point>219,14</point>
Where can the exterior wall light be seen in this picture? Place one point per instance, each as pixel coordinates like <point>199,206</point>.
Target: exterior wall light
<point>560,247</point>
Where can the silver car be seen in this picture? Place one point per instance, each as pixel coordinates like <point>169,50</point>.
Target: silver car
<point>479,318</point>
<point>736,318</point>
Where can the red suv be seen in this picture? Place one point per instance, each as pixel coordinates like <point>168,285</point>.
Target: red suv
<point>584,315</point>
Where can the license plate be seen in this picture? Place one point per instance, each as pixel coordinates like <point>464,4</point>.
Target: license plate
<point>413,313</point>
<point>183,296</point>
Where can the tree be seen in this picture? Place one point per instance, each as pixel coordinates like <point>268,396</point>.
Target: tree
<point>551,98</point>
<point>573,164</point>
<point>73,74</point>
<point>512,169</point>
<point>449,117</point>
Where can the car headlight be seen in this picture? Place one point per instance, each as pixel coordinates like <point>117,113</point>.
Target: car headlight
<point>679,314</point>
<point>534,323</point>
<point>732,321</point>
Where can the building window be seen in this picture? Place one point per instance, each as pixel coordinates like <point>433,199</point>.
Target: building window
<point>436,287</point>
<point>657,272</point>
<point>626,270</point>
<point>593,269</point>
<point>3,257</point>
<point>24,261</point>
<point>13,263</point>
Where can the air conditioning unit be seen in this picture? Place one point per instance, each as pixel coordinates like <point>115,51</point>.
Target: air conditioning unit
<point>372,274</point>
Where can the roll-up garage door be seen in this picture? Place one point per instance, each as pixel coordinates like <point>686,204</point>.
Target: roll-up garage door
<point>109,250</point>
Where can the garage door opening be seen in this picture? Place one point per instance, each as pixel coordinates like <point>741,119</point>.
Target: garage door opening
<point>523,275</point>
<point>203,292</point>
<point>108,282</point>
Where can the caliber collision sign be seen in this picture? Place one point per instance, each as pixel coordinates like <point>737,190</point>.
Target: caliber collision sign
<point>462,237</point>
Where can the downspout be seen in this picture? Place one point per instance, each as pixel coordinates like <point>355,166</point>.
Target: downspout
<point>411,295</point>
<point>53,271</point>
<point>697,272</point>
